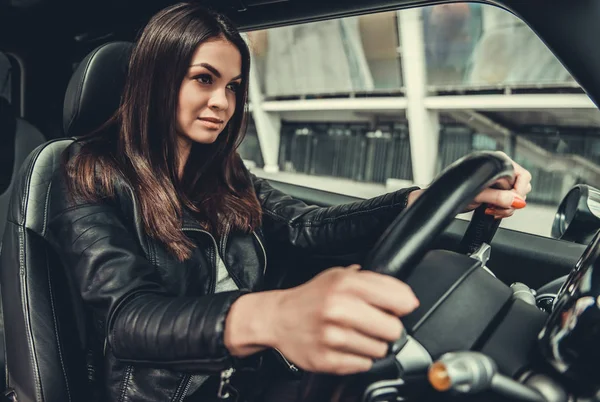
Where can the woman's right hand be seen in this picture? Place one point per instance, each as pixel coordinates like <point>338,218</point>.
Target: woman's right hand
<point>340,320</point>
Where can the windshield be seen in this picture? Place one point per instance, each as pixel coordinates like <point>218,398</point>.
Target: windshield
<point>369,104</point>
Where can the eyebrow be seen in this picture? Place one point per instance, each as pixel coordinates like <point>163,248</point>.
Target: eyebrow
<point>213,70</point>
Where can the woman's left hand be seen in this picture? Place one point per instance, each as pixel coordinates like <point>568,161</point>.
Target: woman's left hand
<point>503,201</point>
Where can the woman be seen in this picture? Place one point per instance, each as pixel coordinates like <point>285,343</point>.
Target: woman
<point>166,232</point>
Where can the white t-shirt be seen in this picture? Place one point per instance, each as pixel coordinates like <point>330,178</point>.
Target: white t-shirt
<point>224,281</point>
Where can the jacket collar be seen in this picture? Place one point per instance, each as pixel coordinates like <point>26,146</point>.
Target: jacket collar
<point>189,221</point>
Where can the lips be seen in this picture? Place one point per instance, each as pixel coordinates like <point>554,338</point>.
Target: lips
<point>211,119</point>
<point>211,123</point>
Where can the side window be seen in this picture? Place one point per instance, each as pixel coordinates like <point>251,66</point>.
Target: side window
<point>10,80</point>
<point>5,77</point>
<point>250,147</point>
<point>365,105</point>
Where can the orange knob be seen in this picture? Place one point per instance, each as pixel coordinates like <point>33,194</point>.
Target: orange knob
<point>438,377</point>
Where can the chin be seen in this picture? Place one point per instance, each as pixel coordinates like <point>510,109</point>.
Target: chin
<point>205,137</point>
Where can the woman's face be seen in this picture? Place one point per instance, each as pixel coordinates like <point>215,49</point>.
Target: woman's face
<point>208,92</point>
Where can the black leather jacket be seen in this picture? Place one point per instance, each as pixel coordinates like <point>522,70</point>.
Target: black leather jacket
<point>158,321</point>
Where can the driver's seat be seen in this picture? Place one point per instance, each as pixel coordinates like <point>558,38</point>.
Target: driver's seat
<point>48,357</point>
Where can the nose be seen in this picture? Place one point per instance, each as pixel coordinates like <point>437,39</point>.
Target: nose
<point>218,100</point>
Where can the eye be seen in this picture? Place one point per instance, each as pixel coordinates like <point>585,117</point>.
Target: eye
<point>204,78</point>
<point>234,87</point>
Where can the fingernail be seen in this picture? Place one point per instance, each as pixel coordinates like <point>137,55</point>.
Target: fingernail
<point>490,211</point>
<point>416,303</point>
<point>518,203</point>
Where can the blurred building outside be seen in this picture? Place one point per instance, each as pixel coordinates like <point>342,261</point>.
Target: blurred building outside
<point>368,104</point>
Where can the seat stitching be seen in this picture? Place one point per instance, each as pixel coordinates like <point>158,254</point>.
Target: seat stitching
<point>25,304</point>
<point>60,353</point>
<point>47,202</point>
<point>22,271</point>
<point>23,278</point>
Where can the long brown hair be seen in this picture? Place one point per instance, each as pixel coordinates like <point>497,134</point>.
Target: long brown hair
<point>139,144</point>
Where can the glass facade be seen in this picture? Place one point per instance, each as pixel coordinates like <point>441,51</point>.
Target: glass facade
<point>479,46</point>
<point>347,150</point>
<point>334,57</point>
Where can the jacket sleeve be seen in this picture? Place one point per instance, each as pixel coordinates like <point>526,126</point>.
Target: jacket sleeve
<point>341,229</point>
<point>144,323</point>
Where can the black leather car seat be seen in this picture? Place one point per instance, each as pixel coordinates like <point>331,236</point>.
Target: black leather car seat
<point>45,326</point>
<point>18,139</point>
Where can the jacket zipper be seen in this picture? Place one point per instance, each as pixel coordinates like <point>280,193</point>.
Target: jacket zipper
<point>226,375</point>
<point>222,393</point>
<point>186,388</point>
<point>126,380</point>
<point>189,381</point>
<point>224,243</point>
<point>222,256</point>
<point>291,366</point>
<point>263,250</point>
<point>213,283</point>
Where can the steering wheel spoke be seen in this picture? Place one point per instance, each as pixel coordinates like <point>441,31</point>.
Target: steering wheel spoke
<point>413,232</point>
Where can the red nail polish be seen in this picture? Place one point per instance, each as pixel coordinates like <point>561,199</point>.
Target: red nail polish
<point>518,203</point>
<point>490,211</point>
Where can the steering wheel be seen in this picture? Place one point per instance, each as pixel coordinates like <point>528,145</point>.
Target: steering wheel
<point>412,233</point>
<point>404,244</point>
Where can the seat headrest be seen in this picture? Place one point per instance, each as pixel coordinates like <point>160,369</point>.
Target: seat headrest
<point>94,92</point>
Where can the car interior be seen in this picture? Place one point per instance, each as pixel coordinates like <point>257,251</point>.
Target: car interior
<point>474,337</point>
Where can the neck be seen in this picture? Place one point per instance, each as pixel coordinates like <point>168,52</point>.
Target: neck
<point>184,149</point>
